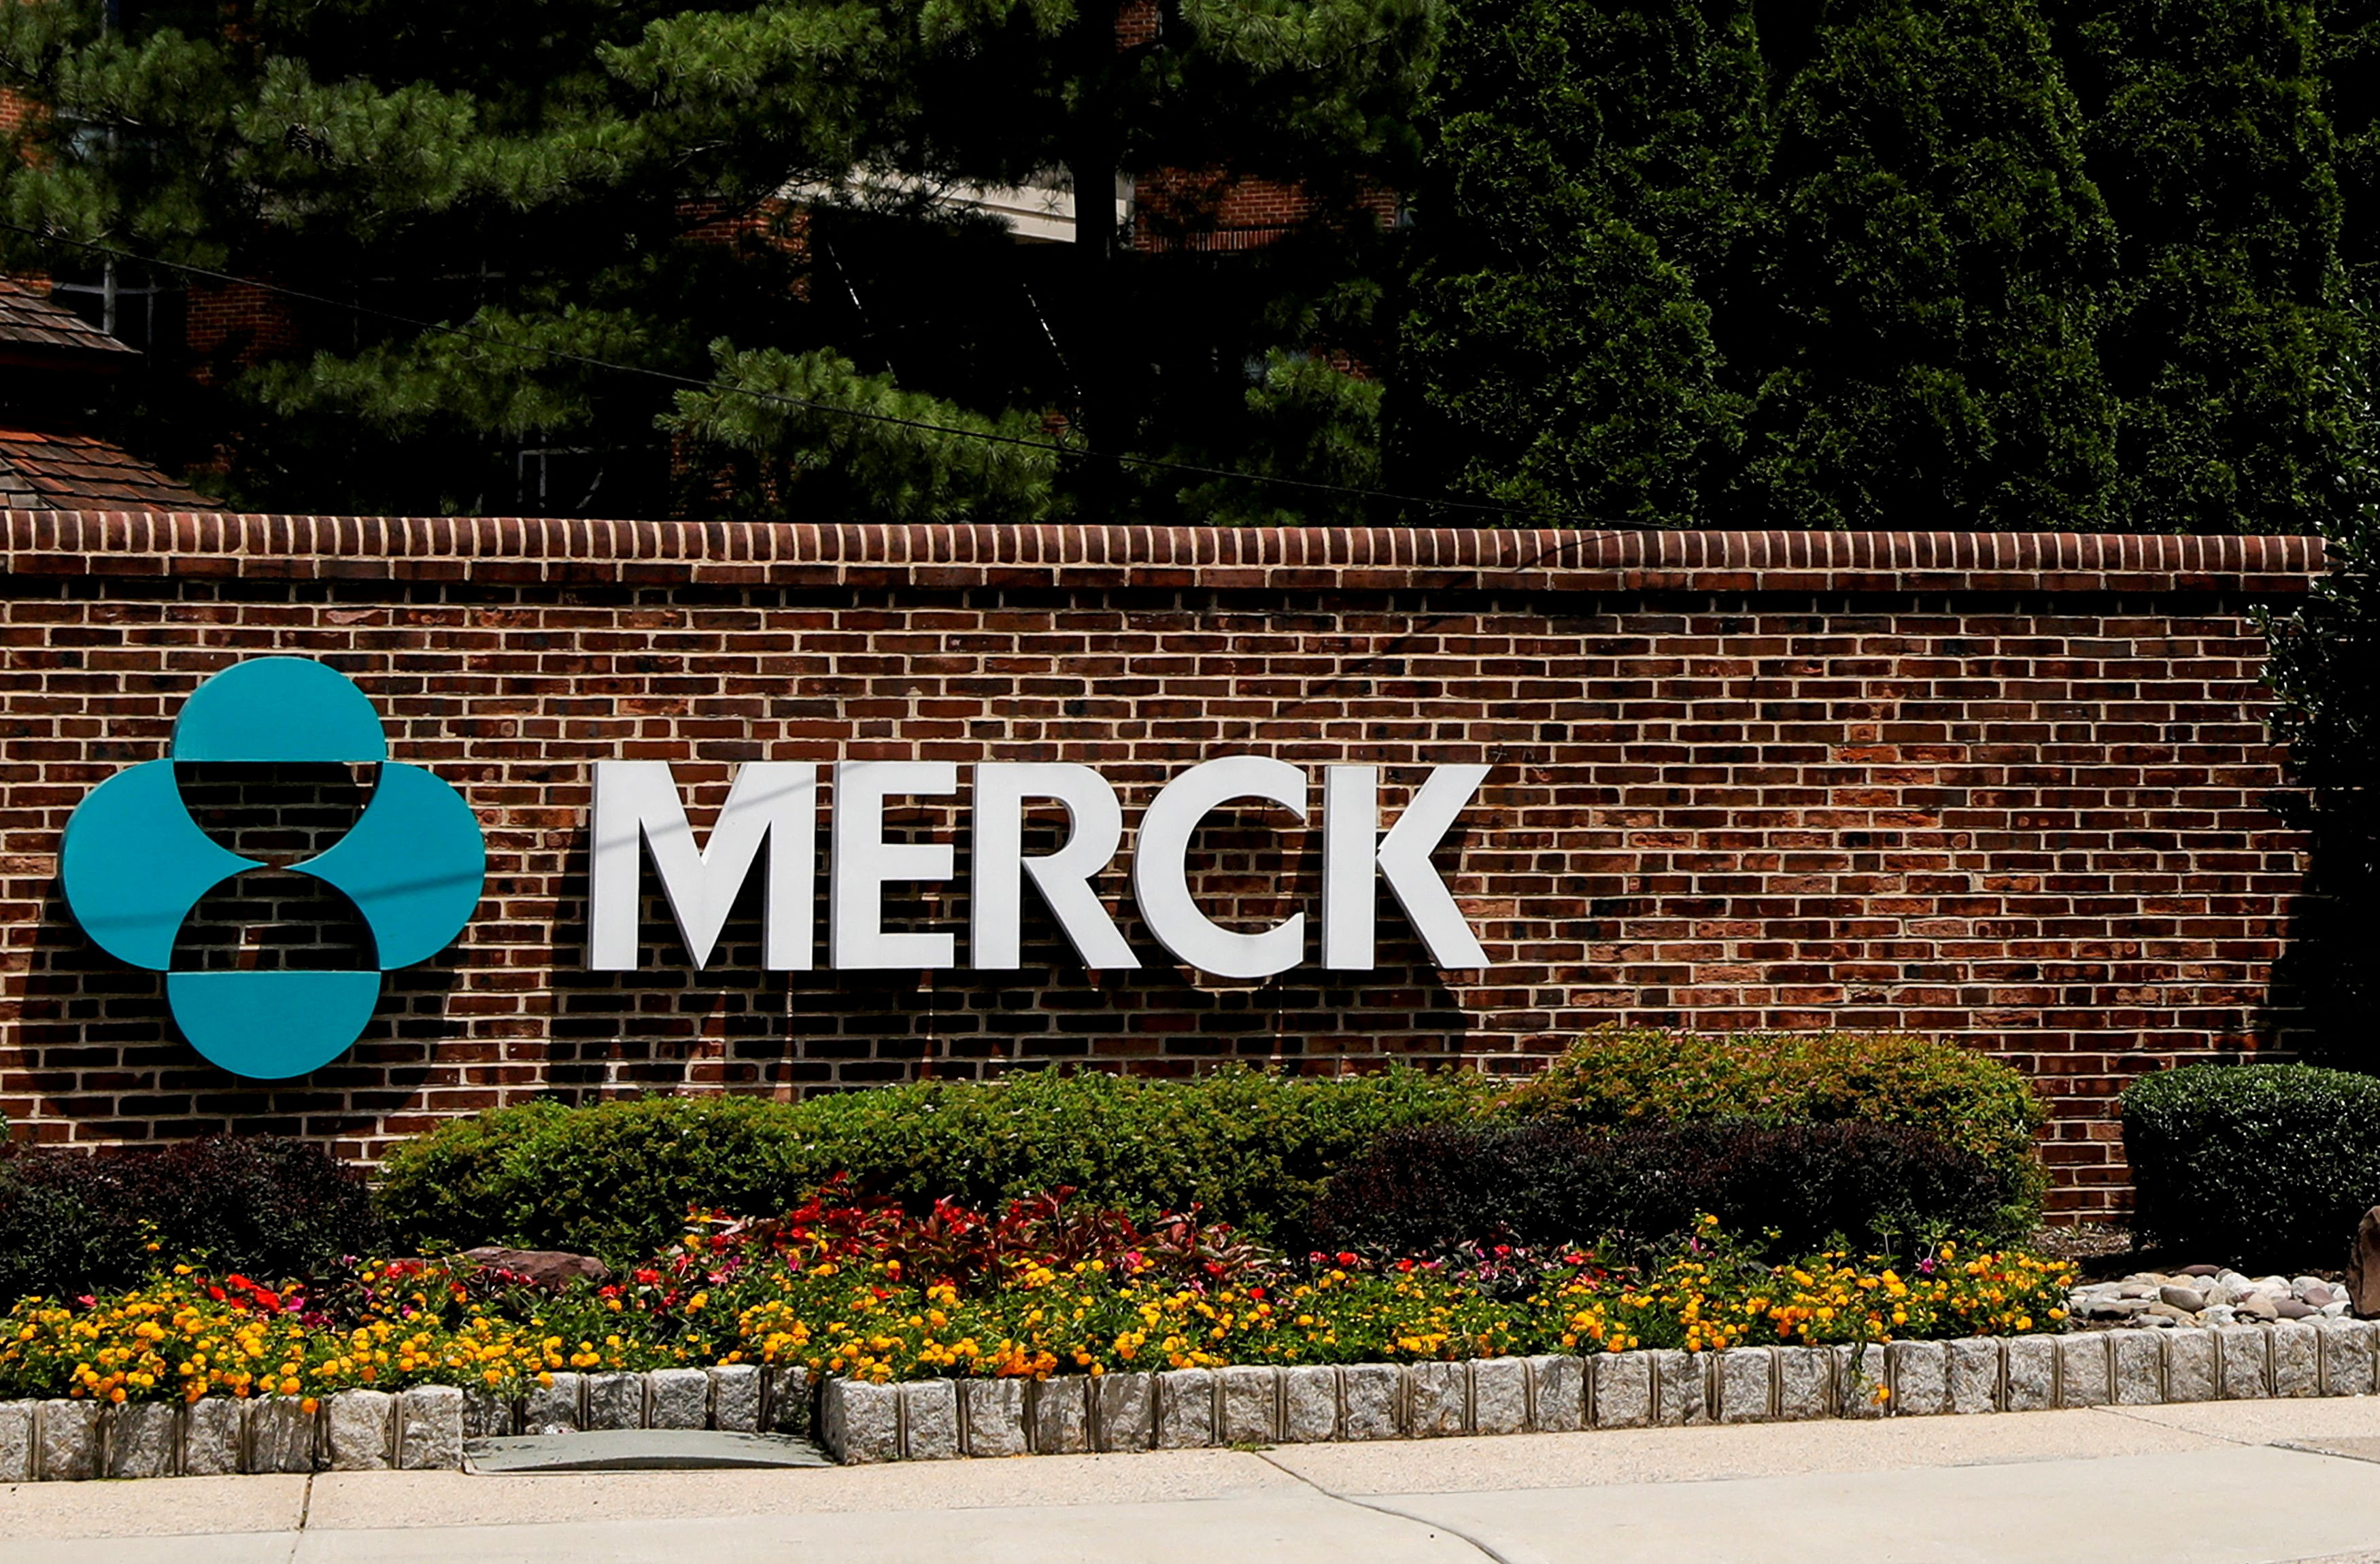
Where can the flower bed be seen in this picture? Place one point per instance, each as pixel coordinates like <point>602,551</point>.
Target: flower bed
<point>1045,1288</point>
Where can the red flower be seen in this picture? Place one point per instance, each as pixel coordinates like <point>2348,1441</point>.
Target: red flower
<point>648,1277</point>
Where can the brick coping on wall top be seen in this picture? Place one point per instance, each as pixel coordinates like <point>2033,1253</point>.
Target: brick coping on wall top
<point>527,550</point>
<point>427,1427</point>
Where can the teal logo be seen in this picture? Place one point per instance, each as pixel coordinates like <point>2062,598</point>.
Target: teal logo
<point>135,866</point>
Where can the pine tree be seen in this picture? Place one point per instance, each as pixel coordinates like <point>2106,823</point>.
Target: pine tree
<point>724,198</point>
<point>1933,255</point>
<point>1589,168</point>
<point>2226,335</point>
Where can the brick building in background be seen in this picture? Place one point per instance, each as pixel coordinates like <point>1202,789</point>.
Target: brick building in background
<point>52,365</point>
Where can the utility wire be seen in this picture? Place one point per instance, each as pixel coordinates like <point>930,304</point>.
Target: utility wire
<point>667,377</point>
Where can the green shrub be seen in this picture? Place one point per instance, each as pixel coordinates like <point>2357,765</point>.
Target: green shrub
<point>1875,1186</point>
<point>2243,1164</point>
<point>615,1179</point>
<point>1618,1075</point>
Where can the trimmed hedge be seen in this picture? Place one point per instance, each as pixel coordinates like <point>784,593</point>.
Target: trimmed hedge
<point>615,1179</point>
<point>1425,1191</point>
<point>76,1222</point>
<point>1622,1076</point>
<point>2254,1164</point>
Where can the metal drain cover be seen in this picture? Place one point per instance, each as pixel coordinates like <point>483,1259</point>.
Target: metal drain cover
<point>639,1450</point>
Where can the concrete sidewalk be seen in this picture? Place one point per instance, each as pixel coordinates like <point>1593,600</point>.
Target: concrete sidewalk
<point>2226,1482</point>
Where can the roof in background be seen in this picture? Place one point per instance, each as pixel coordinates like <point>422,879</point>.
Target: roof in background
<point>51,470</point>
<point>33,330</point>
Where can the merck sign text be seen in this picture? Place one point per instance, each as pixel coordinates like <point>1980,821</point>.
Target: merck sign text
<point>773,806</point>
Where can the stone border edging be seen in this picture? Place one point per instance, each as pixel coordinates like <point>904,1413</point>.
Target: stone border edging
<point>424,1428</point>
<point>522,551</point>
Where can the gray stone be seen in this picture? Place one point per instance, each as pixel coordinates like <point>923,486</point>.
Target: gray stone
<point>1500,1396</point>
<point>2242,1354</point>
<point>615,1401</point>
<point>16,1442</point>
<point>430,1429</point>
<point>678,1398</point>
<point>1250,1397</point>
<point>2319,1294</point>
<point>1558,1393</point>
<point>1920,1377</point>
<point>2289,1308</point>
<point>211,1428</point>
<point>2189,1365</point>
<point>66,1449</point>
<point>994,1409</point>
<point>2187,1299</point>
<point>1746,1376</point>
<point>551,1269</point>
<point>735,1398</point>
<point>929,1420</point>
<point>1309,1404</point>
<point>1858,1379</point>
<point>2297,1359</point>
<point>487,1415</point>
<point>2259,1308</point>
<point>1438,1394</point>
<point>360,1425</point>
<point>1061,1410</point>
<point>1185,1409</point>
<point>137,1437</point>
<point>786,1398</point>
<point>2347,1357</point>
<point>1974,1374</point>
<point>1123,1411</point>
<point>1623,1389</point>
<point>2363,1266</point>
<point>1370,1393</point>
<point>280,1434</point>
<point>2032,1363</point>
<point>2082,1371</point>
<point>859,1422</point>
<point>2218,1313</point>
<point>1681,1386</point>
<point>2140,1367</point>
<point>1806,1383</point>
<point>551,1408</point>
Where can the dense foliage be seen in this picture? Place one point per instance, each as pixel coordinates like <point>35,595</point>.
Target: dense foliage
<point>1619,1075</point>
<point>616,1178</point>
<point>2254,1164</point>
<point>1429,1189</point>
<point>78,1222</point>
<point>1045,1288</point>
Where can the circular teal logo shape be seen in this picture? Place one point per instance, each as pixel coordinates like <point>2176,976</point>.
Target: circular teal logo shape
<point>134,864</point>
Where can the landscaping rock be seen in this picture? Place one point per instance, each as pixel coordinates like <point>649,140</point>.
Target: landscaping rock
<point>2199,1270</point>
<point>1745,1379</point>
<point>1860,1387</point>
<point>1500,1396</point>
<point>786,1398</point>
<point>994,1410</point>
<point>614,1400</point>
<point>2081,1371</point>
<point>360,1425</point>
<point>1558,1393</point>
<point>1681,1387</point>
<point>2032,1374</point>
<point>430,1429</point>
<point>929,1420</point>
<point>1623,1389</point>
<point>67,1445</point>
<point>1920,1372</point>
<point>735,1398</point>
<point>2140,1367</point>
<point>1060,1411</point>
<point>138,1439</point>
<point>1438,1395</point>
<point>2241,1362</point>
<point>2186,1299</point>
<point>1309,1403</point>
<point>1975,1376</point>
<point>2297,1361</point>
<point>860,1424</point>
<point>211,1430</point>
<point>554,1269</point>
<point>487,1415</point>
<point>1370,1393</point>
<point>1123,1411</point>
<point>2190,1366</point>
<point>2346,1356</point>
<point>1806,1384</point>
<point>1249,1396</point>
<point>551,1408</point>
<point>16,1442</point>
<point>680,1398</point>
<point>280,1434</point>
<point>1185,1409</point>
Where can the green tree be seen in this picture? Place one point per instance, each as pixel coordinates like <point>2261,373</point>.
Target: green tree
<point>558,182</point>
<point>1922,350</point>
<point>2227,332</point>
<point>1590,168</point>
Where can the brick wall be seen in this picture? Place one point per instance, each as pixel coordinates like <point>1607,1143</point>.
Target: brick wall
<point>2009,789</point>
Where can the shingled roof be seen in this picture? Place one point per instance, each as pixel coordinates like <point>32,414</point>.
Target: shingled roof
<point>36,333</point>
<point>54,470</point>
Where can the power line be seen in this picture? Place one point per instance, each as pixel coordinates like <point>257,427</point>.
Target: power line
<point>667,377</point>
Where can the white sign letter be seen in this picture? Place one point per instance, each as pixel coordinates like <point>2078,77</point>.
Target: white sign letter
<point>1353,849</point>
<point>1160,873</point>
<point>638,806</point>
<point>864,862</point>
<point>1094,826</point>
